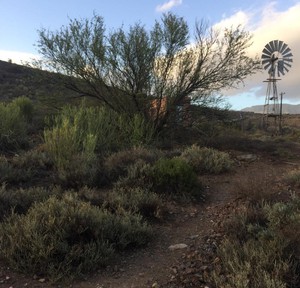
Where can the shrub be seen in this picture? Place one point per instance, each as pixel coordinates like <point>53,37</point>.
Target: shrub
<point>26,107</point>
<point>11,174</point>
<point>256,189</point>
<point>20,200</point>
<point>137,201</point>
<point>138,175</point>
<point>293,178</point>
<point>117,163</point>
<point>13,128</point>
<point>175,177</point>
<point>65,238</point>
<point>207,159</point>
<point>264,250</point>
<point>78,133</point>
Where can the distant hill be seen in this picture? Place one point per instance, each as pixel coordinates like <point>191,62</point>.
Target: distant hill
<point>286,109</point>
<point>40,86</point>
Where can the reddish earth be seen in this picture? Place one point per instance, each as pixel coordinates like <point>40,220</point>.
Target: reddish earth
<point>199,226</point>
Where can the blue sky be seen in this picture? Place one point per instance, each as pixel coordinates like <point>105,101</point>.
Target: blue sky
<point>266,20</point>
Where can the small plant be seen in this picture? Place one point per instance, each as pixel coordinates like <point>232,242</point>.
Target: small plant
<point>207,160</point>
<point>136,200</point>
<point>11,174</point>
<point>66,238</point>
<point>293,178</point>
<point>175,177</point>
<point>13,128</point>
<point>20,200</point>
<point>138,175</point>
<point>262,249</point>
<point>117,163</point>
<point>256,189</point>
<point>26,107</point>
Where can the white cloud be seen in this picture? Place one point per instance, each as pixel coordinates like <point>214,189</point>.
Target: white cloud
<point>268,24</point>
<point>17,56</point>
<point>168,5</point>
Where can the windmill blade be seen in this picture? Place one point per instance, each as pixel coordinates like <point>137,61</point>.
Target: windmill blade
<point>276,44</point>
<point>287,64</point>
<point>269,48</point>
<point>287,60</point>
<point>267,52</point>
<point>287,55</point>
<point>266,61</point>
<point>280,66</point>
<point>267,66</point>
<point>264,56</point>
<point>284,46</point>
<point>280,45</point>
<point>286,51</point>
<point>272,46</point>
<point>287,70</point>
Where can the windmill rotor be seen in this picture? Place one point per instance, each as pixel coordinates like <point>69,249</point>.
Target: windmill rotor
<point>276,58</point>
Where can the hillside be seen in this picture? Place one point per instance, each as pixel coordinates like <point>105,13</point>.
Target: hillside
<point>42,86</point>
<point>286,109</point>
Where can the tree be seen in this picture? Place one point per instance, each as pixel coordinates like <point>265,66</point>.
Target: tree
<point>128,70</point>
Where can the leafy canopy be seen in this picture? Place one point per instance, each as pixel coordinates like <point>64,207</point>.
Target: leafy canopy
<point>127,69</point>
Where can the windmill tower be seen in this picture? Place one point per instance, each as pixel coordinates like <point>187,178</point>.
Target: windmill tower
<point>276,59</point>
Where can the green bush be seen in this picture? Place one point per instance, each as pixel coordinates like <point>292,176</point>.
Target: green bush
<point>13,128</point>
<point>20,200</point>
<point>66,238</point>
<point>117,163</point>
<point>26,107</point>
<point>28,165</point>
<point>79,133</point>
<point>263,248</point>
<point>138,175</point>
<point>207,159</point>
<point>11,174</point>
<point>175,177</point>
<point>137,201</point>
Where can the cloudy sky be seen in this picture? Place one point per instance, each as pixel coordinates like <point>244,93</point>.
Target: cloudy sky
<point>266,20</point>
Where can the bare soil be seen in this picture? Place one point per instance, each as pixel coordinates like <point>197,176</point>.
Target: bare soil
<point>198,225</point>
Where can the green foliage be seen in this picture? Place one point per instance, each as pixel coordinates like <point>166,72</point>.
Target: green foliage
<point>65,238</point>
<point>137,175</point>
<point>11,174</point>
<point>143,62</point>
<point>207,160</point>
<point>26,107</point>
<point>78,133</point>
<point>20,200</point>
<point>263,251</point>
<point>28,165</point>
<point>13,127</point>
<point>176,177</point>
<point>117,163</point>
<point>136,200</point>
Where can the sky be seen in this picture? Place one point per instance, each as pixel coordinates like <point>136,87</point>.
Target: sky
<point>266,20</point>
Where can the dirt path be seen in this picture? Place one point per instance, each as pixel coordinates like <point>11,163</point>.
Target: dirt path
<point>155,265</point>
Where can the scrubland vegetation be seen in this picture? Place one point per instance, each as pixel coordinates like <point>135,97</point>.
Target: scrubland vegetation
<point>88,180</point>
<point>93,184</point>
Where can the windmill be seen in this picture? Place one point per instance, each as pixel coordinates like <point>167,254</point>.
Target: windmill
<point>276,59</point>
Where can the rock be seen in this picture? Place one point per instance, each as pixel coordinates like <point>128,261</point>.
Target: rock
<point>42,280</point>
<point>247,157</point>
<point>192,237</point>
<point>178,246</point>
